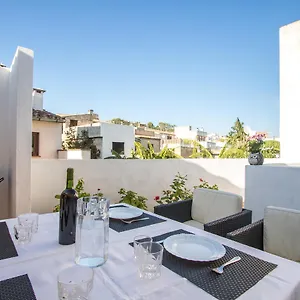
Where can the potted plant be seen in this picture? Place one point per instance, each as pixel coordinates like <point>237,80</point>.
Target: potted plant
<point>255,145</point>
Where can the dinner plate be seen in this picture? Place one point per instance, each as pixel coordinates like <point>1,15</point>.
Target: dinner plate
<point>124,213</point>
<point>193,247</point>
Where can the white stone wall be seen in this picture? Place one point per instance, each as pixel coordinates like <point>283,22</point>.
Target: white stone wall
<point>290,91</point>
<point>147,177</point>
<point>276,185</point>
<point>4,141</point>
<point>74,154</point>
<point>15,133</point>
<point>116,133</point>
<point>49,138</point>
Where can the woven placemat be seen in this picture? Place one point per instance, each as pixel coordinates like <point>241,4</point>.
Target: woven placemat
<point>120,226</point>
<point>235,281</point>
<point>17,288</point>
<point>7,247</point>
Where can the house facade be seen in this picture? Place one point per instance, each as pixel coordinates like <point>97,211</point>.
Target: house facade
<point>46,128</point>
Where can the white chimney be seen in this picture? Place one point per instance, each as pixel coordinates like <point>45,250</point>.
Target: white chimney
<point>37,98</point>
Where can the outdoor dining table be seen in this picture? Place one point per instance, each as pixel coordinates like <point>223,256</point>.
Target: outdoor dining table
<point>44,258</point>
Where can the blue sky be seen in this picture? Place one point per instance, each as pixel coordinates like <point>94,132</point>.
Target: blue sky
<point>197,62</point>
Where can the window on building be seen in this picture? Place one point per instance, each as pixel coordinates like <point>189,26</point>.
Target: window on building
<point>35,143</point>
<point>118,147</point>
<point>169,137</point>
<point>73,123</point>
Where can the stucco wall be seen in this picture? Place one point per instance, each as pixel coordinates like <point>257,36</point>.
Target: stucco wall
<point>20,120</point>
<point>4,141</point>
<point>116,133</point>
<point>290,91</point>
<point>50,138</point>
<point>276,185</point>
<point>147,177</point>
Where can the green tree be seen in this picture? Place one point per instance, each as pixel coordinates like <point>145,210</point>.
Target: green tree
<point>200,152</point>
<point>70,139</point>
<point>142,152</point>
<point>237,137</point>
<point>237,142</point>
<point>150,125</point>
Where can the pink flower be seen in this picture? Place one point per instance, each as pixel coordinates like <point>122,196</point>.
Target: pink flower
<point>156,198</point>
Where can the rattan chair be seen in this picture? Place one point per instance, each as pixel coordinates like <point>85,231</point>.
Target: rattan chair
<point>182,211</point>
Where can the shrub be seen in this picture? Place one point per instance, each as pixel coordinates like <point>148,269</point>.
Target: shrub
<point>179,191</point>
<point>132,198</point>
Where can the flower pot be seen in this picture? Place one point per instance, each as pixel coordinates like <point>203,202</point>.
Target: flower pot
<point>256,159</point>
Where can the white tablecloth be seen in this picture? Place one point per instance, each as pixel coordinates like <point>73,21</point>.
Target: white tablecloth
<point>43,259</point>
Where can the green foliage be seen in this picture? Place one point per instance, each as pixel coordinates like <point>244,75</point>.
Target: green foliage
<point>70,139</point>
<point>235,153</point>
<point>271,149</point>
<point>142,152</point>
<point>163,126</point>
<point>150,125</point>
<point>237,137</point>
<point>132,198</point>
<point>82,141</point>
<point>205,185</point>
<point>237,142</point>
<point>200,152</point>
<point>178,191</point>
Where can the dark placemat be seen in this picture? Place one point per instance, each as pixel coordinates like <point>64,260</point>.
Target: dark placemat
<point>120,226</point>
<point>236,279</point>
<point>7,247</point>
<point>17,288</point>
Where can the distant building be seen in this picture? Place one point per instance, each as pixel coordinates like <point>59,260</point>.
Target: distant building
<point>46,128</point>
<point>187,132</point>
<point>106,136</point>
<point>146,137</point>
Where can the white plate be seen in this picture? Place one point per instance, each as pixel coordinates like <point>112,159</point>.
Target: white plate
<point>124,213</point>
<point>193,247</point>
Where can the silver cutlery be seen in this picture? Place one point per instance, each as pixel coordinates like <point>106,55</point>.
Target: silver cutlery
<point>220,270</point>
<point>135,220</point>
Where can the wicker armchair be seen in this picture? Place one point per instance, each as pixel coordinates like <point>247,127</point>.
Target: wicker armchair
<point>251,235</point>
<point>181,211</point>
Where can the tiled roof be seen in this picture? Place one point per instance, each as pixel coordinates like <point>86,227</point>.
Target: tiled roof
<point>43,115</point>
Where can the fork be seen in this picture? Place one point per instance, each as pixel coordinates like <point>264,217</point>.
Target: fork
<point>220,270</point>
<point>135,220</point>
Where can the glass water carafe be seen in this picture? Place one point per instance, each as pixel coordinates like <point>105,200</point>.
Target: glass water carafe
<point>92,229</point>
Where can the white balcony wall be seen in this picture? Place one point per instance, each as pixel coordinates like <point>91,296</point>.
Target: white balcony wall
<point>146,177</point>
<point>276,185</point>
<point>4,145</point>
<point>290,91</point>
<point>15,133</point>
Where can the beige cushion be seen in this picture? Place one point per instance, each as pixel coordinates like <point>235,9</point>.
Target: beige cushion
<point>210,205</point>
<point>282,232</point>
<point>194,224</point>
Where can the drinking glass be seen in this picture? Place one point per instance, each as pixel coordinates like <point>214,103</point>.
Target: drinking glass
<point>75,283</point>
<point>34,217</point>
<point>138,240</point>
<point>23,233</point>
<point>149,260</point>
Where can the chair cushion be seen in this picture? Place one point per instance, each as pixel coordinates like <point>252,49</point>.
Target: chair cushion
<point>194,224</point>
<point>210,205</point>
<point>282,232</point>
